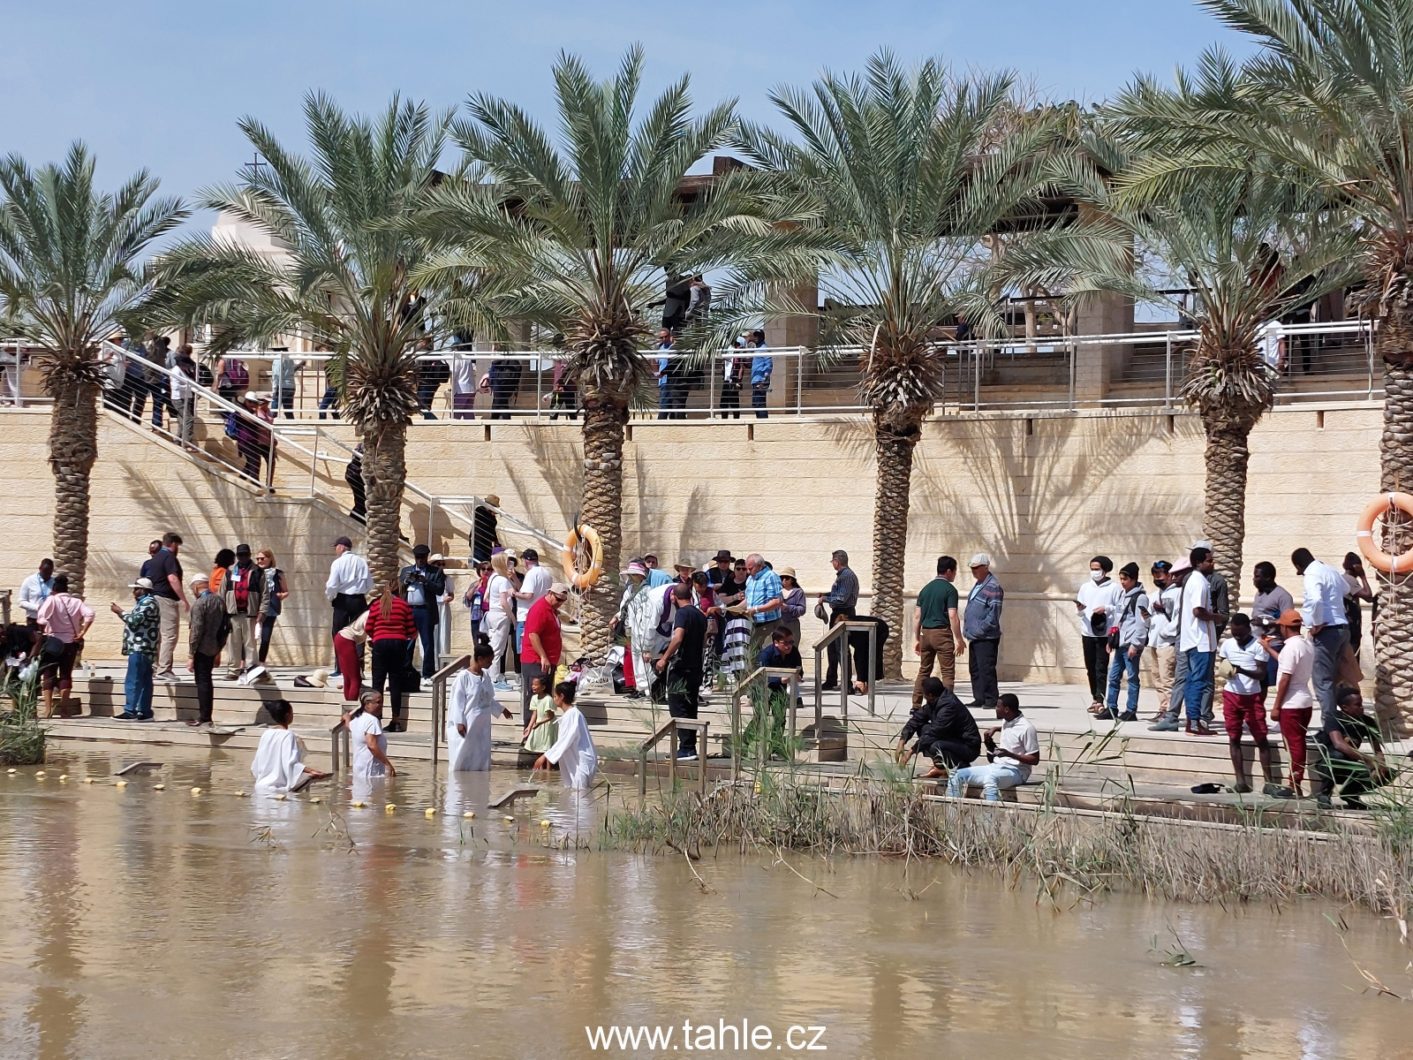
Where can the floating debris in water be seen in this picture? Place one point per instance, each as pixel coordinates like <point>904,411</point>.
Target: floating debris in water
<point>159,787</point>
<point>196,791</point>
<point>430,811</point>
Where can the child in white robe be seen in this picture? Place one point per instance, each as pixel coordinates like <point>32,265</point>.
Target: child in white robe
<point>468,720</point>
<point>574,751</point>
<point>279,760</point>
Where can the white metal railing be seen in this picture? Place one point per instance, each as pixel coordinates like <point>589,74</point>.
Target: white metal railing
<point>1047,372</point>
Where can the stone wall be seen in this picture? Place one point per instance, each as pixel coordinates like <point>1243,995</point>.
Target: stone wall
<point>1041,493</point>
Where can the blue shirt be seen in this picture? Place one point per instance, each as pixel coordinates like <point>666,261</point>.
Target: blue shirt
<point>761,367</point>
<point>982,620</point>
<point>762,586</point>
<point>662,365</point>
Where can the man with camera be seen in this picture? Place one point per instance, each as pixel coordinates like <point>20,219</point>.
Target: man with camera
<point>423,586</point>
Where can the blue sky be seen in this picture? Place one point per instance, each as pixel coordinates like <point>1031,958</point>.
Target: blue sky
<point>160,84</point>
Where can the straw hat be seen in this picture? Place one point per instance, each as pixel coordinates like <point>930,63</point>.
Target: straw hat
<point>788,572</point>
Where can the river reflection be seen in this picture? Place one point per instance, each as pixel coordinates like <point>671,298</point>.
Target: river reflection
<point>157,923</point>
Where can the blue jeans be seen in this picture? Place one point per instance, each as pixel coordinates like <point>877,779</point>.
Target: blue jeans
<point>137,688</point>
<point>1199,682</point>
<point>1122,665</point>
<point>992,778</point>
<point>759,393</point>
<point>425,619</point>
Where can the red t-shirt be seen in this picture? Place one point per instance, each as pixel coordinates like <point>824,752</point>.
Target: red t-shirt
<point>544,621</point>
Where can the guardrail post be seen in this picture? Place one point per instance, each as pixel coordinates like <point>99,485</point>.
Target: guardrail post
<point>799,380</point>
<point>671,755</point>
<point>1167,370</point>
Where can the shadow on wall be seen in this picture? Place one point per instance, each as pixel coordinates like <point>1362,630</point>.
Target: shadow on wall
<point>1042,495</point>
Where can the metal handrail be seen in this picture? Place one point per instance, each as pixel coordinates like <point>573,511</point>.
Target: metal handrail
<point>439,680</point>
<point>700,726</point>
<point>846,660</point>
<point>339,734</point>
<point>792,681</point>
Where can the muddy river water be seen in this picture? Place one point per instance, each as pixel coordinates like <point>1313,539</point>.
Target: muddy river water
<point>141,922</point>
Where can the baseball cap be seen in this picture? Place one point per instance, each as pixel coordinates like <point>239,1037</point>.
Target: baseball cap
<point>981,559</point>
<point>559,589</point>
<point>141,583</point>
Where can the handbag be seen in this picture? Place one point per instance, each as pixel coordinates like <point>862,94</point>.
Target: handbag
<point>51,647</point>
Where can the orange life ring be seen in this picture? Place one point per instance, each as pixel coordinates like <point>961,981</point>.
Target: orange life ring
<point>580,538</point>
<point>1382,505</point>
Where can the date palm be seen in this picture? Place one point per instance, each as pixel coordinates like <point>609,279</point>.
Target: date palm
<point>344,216</point>
<point>1327,100</point>
<point>69,270</point>
<point>909,176</point>
<point>580,232</point>
<point>1248,248</point>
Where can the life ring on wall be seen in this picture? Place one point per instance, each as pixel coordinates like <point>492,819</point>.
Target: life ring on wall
<point>582,540</point>
<point>1383,504</point>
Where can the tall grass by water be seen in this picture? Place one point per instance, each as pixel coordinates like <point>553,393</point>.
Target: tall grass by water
<point>21,734</point>
<point>1064,852</point>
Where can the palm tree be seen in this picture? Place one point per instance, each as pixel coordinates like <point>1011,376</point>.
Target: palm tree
<point>1326,99</point>
<point>1248,248</point>
<point>69,269</point>
<point>910,176</point>
<point>345,217</point>
<point>582,232</point>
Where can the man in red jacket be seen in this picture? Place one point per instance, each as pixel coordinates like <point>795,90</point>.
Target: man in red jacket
<point>540,650</point>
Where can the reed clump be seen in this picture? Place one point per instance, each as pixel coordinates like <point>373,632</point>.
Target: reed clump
<point>21,734</point>
<point>1087,852</point>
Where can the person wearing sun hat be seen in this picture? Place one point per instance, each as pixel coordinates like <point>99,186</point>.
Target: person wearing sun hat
<point>793,604</point>
<point>637,617</point>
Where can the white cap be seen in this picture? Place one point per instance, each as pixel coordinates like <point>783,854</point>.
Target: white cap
<point>981,559</point>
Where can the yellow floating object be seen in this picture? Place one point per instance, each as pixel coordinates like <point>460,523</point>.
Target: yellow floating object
<point>281,797</point>
<point>40,775</point>
<point>359,805</point>
<point>315,801</point>
<point>63,777</point>
<point>159,787</point>
<point>430,811</point>
<point>120,783</point>
<point>12,771</point>
<point>544,824</point>
<point>390,808</point>
<point>468,815</point>
<point>240,795</point>
<point>509,820</point>
<point>196,791</point>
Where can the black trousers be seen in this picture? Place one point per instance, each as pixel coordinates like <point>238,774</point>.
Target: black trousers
<point>951,754</point>
<point>389,663</point>
<point>267,627</point>
<point>1096,666</point>
<point>832,677</point>
<point>347,607</point>
<point>205,690</point>
<point>982,656</point>
<point>684,689</point>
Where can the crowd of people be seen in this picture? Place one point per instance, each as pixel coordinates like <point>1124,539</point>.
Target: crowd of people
<point>683,629</point>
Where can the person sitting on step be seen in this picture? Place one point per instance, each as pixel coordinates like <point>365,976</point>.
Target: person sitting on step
<point>931,689</point>
<point>950,737</point>
<point>1338,759</point>
<point>1012,749</point>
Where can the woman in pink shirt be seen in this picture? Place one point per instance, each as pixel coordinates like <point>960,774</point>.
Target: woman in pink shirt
<point>63,620</point>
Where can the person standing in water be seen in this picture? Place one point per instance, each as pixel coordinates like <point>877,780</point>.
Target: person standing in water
<point>473,707</point>
<point>574,751</point>
<point>279,760</point>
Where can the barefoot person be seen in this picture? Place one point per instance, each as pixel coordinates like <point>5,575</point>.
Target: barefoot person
<point>473,706</point>
<point>574,751</point>
<point>279,760</point>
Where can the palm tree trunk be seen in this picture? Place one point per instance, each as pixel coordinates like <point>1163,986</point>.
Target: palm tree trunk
<point>384,471</point>
<point>1224,497</point>
<point>604,423</point>
<point>894,456</point>
<point>73,448</point>
<point>1393,628</point>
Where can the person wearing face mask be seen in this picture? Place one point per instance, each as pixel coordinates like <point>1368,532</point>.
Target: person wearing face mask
<point>1131,618</point>
<point>1096,603</point>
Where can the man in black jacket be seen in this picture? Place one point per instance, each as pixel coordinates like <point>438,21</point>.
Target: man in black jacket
<point>423,586</point>
<point>949,736</point>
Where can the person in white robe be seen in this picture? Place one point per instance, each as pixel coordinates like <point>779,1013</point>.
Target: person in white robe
<point>279,760</point>
<point>574,751</point>
<point>366,737</point>
<point>473,707</point>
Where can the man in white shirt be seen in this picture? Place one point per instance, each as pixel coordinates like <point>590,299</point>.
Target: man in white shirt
<point>534,584</point>
<point>1293,704</point>
<point>1270,341</point>
<point>35,589</point>
<point>1323,613</point>
<point>1163,633</point>
<point>1242,705</point>
<point>1012,749</point>
<point>348,587</point>
<point>1197,636</point>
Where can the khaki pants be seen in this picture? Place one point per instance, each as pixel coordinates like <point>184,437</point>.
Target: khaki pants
<point>1164,666</point>
<point>169,613</point>
<point>243,644</point>
<point>935,645</point>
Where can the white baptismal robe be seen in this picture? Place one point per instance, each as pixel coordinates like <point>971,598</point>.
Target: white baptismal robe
<point>473,704</point>
<point>574,751</point>
<point>279,761</point>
